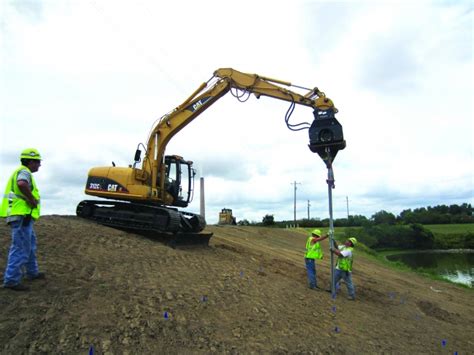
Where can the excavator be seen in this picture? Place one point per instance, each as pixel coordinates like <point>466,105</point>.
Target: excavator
<point>148,197</point>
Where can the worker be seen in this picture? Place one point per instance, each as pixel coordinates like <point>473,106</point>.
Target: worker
<point>21,207</point>
<point>313,252</point>
<point>344,265</point>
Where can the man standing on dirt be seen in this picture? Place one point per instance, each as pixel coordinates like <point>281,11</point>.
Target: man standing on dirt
<point>313,252</point>
<point>21,207</point>
<point>344,265</point>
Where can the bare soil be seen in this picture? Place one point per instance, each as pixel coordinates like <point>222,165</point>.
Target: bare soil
<point>113,292</point>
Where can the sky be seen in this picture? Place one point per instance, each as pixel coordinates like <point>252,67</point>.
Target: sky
<point>84,82</point>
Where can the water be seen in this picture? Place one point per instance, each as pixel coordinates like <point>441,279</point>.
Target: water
<point>456,266</point>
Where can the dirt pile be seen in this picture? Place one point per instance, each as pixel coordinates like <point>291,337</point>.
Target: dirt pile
<point>117,293</point>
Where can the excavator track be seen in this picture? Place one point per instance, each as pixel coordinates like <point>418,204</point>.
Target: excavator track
<point>169,224</point>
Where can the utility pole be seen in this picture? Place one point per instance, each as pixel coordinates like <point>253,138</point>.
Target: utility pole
<point>294,208</point>
<point>309,205</point>
<point>347,204</point>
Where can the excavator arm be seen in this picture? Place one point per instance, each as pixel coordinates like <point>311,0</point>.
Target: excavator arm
<point>223,80</point>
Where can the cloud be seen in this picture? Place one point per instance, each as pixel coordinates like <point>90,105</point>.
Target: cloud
<point>326,24</point>
<point>389,66</point>
<point>32,10</point>
<point>396,57</point>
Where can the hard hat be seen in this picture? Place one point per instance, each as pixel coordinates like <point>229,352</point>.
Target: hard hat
<point>30,153</point>
<point>316,232</point>
<point>353,241</point>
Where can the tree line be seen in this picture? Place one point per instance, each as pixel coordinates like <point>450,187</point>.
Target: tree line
<point>405,231</point>
<point>441,214</point>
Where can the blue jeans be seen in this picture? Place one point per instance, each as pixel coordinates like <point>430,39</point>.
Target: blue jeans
<point>311,271</point>
<point>22,254</point>
<point>347,277</point>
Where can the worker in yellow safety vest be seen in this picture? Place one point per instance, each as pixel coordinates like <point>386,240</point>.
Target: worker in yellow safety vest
<point>344,265</point>
<point>21,207</point>
<point>313,252</point>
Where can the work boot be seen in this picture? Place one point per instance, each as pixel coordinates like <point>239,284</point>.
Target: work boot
<point>17,287</point>
<point>350,298</point>
<point>38,276</point>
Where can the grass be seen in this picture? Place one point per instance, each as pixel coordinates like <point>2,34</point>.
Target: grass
<point>450,228</point>
<point>435,228</point>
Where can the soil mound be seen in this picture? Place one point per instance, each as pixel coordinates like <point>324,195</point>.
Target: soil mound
<point>115,292</point>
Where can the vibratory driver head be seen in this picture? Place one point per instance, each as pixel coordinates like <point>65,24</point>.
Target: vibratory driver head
<point>325,135</point>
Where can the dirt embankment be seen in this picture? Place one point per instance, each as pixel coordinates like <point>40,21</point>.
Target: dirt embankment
<point>119,293</point>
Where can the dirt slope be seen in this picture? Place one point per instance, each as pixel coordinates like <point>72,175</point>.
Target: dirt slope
<point>119,293</point>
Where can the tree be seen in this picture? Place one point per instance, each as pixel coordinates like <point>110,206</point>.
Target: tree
<point>268,220</point>
<point>383,217</point>
<point>358,220</point>
<point>441,214</point>
<point>407,216</point>
<point>424,238</point>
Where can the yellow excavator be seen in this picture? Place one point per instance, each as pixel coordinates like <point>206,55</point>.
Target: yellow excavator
<point>147,198</point>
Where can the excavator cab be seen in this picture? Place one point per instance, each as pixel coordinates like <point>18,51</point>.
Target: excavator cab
<point>179,180</point>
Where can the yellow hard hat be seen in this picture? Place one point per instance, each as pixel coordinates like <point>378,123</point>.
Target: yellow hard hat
<point>316,232</point>
<point>353,241</point>
<point>30,153</point>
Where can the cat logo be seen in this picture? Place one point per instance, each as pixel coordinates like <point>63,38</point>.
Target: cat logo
<point>112,187</point>
<point>198,104</point>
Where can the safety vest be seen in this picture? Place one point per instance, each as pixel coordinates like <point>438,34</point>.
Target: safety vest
<point>14,202</point>
<point>313,251</point>
<point>345,264</point>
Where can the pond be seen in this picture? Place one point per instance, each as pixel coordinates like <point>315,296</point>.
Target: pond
<point>454,265</point>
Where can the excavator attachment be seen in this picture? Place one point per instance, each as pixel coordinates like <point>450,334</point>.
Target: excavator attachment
<point>325,135</point>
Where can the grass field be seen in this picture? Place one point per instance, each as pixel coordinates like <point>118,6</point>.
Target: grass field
<point>450,228</point>
<point>435,228</point>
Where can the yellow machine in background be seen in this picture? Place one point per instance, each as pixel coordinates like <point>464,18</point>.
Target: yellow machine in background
<point>147,197</point>
<point>226,217</point>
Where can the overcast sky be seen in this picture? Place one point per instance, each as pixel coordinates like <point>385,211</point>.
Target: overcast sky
<point>83,82</point>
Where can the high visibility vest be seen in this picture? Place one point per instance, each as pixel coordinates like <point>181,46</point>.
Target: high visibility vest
<point>345,264</point>
<point>14,203</point>
<point>313,250</point>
